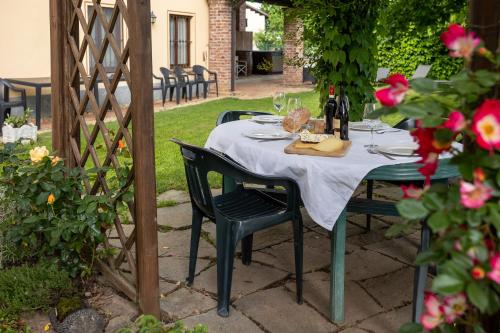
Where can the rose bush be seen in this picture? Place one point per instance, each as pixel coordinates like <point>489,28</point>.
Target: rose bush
<point>50,215</point>
<point>464,217</point>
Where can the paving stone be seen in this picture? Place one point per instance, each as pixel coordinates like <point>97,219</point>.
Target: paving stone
<point>185,302</point>
<point>176,216</point>
<point>167,287</point>
<point>358,304</point>
<point>236,322</point>
<point>359,220</point>
<point>127,229</point>
<point>362,265</point>
<point>366,238</point>
<point>353,330</point>
<point>388,322</point>
<point>246,279</point>
<point>176,243</point>
<point>391,192</point>
<point>176,269</point>
<point>272,236</point>
<point>174,195</point>
<point>277,310</point>
<point>398,248</point>
<point>392,290</point>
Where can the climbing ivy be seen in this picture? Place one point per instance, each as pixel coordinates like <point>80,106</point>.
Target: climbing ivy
<point>341,44</point>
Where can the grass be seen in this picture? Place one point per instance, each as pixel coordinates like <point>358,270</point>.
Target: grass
<point>193,124</point>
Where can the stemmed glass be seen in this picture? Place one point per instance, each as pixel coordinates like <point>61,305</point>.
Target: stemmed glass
<point>279,101</point>
<point>294,104</point>
<point>370,121</point>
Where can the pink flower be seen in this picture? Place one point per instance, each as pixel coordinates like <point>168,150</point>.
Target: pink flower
<point>454,307</point>
<point>412,192</point>
<point>495,266</point>
<point>393,95</point>
<point>456,121</point>
<point>460,43</point>
<point>486,124</point>
<point>474,195</point>
<point>433,316</point>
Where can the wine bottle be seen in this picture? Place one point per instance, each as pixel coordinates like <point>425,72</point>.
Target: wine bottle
<point>329,110</point>
<point>342,115</point>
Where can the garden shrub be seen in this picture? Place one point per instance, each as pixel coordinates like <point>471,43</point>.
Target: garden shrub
<point>149,324</point>
<point>51,216</point>
<point>29,288</point>
<point>403,52</point>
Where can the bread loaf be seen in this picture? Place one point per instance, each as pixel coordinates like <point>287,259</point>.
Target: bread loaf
<point>295,119</point>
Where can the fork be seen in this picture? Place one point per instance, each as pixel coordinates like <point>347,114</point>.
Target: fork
<point>375,151</point>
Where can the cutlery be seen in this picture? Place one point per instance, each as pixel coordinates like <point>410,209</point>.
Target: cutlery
<point>388,131</point>
<point>375,151</point>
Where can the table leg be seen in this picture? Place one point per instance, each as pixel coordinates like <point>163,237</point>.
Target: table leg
<point>338,238</point>
<point>38,107</point>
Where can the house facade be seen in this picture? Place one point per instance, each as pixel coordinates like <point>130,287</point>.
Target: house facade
<point>184,33</point>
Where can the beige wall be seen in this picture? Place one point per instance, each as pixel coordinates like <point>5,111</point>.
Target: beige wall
<point>26,53</point>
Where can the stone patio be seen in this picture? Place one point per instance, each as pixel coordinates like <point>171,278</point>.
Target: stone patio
<point>378,289</point>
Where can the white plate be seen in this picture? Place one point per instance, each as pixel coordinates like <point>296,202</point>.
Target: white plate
<point>268,134</point>
<point>363,126</point>
<point>400,150</point>
<point>267,119</point>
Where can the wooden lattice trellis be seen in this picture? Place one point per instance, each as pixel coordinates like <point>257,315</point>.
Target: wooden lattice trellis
<point>78,123</point>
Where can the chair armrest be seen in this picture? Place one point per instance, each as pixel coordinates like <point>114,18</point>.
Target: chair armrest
<point>157,77</point>
<point>212,73</point>
<point>13,87</point>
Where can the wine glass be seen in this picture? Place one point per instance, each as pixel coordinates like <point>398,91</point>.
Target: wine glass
<point>294,104</point>
<point>370,121</point>
<point>279,100</point>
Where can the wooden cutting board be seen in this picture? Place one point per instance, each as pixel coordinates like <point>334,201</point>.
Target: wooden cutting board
<point>291,149</point>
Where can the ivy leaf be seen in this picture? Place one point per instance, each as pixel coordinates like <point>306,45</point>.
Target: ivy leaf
<point>478,295</point>
<point>412,209</point>
<point>447,284</point>
<point>411,328</point>
<point>423,85</point>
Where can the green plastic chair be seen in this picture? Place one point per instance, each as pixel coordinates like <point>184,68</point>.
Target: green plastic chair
<point>237,214</point>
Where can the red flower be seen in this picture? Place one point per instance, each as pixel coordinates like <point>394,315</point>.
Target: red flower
<point>486,124</point>
<point>479,175</point>
<point>478,273</point>
<point>460,43</point>
<point>393,95</point>
<point>411,191</point>
<point>456,121</point>
<point>475,195</point>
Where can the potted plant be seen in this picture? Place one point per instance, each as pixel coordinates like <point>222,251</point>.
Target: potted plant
<point>17,128</point>
<point>464,217</point>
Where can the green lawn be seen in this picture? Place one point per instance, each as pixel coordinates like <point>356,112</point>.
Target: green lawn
<point>193,124</point>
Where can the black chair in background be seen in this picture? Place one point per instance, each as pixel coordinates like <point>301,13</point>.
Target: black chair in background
<point>205,77</point>
<point>6,104</point>
<point>184,80</point>
<point>171,85</point>
<point>237,214</point>
<point>161,88</point>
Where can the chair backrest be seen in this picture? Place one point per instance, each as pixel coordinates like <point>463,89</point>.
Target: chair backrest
<point>198,163</point>
<point>199,71</point>
<point>234,115</point>
<point>167,75</point>
<point>421,71</point>
<point>382,73</point>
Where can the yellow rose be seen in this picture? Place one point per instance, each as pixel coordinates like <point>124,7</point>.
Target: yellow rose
<point>51,199</point>
<point>46,328</point>
<point>38,153</point>
<point>55,160</point>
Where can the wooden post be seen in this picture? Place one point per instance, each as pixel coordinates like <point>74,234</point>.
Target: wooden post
<point>484,19</point>
<point>60,139</point>
<point>141,70</point>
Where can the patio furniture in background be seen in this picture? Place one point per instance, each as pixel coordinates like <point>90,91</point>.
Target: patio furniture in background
<point>421,71</point>
<point>6,104</point>
<point>184,80</point>
<point>171,84</point>
<point>200,78</point>
<point>161,88</point>
<point>382,73</point>
<point>237,214</point>
<point>241,67</point>
<point>38,84</point>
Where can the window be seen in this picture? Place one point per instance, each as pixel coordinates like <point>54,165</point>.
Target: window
<point>180,43</point>
<point>110,60</point>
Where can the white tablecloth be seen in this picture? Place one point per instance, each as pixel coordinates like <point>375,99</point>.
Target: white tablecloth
<point>326,183</point>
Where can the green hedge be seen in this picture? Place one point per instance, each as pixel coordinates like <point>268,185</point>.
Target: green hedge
<point>402,53</point>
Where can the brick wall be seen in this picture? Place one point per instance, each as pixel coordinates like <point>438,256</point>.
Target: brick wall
<point>293,48</point>
<point>220,42</point>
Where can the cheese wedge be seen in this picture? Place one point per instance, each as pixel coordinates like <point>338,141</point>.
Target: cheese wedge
<point>329,145</point>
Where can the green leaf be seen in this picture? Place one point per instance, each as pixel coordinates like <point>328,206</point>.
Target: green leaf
<point>485,78</point>
<point>447,284</point>
<point>478,328</point>
<point>438,221</point>
<point>423,85</point>
<point>478,295</point>
<point>415,111</point>
<point>412,209</point>
<point>411,328</point>
<point>42,198</point>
